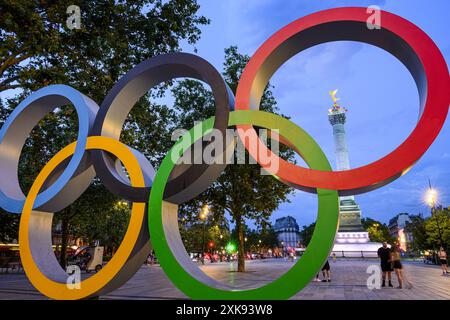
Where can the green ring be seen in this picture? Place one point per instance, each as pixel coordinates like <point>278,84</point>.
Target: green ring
<point>302,272</point>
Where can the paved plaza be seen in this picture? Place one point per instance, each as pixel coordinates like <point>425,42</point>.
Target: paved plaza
<point>348,282</point>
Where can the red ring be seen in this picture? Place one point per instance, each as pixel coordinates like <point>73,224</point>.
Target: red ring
<point>398,36</point>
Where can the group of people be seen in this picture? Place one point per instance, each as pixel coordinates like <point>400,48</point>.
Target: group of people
<point>390,261</point>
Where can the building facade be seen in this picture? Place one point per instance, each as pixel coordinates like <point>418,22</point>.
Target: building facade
<point>287,231</point>
<point>397,230</point>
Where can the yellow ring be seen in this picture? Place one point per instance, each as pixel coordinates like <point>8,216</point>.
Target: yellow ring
<point>90,286</point>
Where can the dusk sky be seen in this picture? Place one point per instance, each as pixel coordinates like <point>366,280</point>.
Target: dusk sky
<point>376,88</point>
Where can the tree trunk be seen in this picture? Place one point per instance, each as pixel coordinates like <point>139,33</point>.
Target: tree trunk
<point>64,237</point>
<point>241,253</point>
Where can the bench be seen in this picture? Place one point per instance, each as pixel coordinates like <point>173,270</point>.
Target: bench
<point>12,263</point>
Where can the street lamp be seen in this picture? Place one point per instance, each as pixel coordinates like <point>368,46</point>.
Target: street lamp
<point>204,212</point>
<point>431,197</point>
<point>121,203</point>
<point>203,216</point>
<point>221,246</point>
<point>221,239</point>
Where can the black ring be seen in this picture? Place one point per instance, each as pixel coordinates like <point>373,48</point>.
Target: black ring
<point>190,180</point>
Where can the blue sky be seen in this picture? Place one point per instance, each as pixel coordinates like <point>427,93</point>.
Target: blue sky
<point>376,88</point>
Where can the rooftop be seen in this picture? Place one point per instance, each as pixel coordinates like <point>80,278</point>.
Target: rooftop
<point>286,222</point>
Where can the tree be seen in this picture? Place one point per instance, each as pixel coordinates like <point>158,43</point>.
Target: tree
<point>106,221</point>
<point>425,231</point>
<point>378,232</point>
<point>419,235</point>
<point>258,240</point>
<point>114,37</point>
<point>438,226</point>
<point>213,234</point>
<point>306,233</point>
<point>9,227</point>
<point>214,229</point>
<point>269,238</point>
<point>38,49</point>
<point>240,191</point>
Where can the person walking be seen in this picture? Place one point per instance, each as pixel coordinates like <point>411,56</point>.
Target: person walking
<point>326,272</point>
<point>443,261</point>
<point>291,257</point>
<point>384,253</point>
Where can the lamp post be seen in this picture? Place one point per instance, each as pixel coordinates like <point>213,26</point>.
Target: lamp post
<point>203,217</point>
<point>431,199</point>
<point>245,244</point>
<point>221,247</point>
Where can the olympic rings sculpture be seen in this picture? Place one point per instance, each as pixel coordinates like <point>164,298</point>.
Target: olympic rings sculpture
<point>156,195</point>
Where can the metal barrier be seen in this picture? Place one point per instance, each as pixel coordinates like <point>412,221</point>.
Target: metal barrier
<point>350,254</point>
<point>355,254</point>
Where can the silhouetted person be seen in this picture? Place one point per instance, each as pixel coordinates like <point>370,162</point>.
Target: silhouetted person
<point>443,260</point>
<point>326,272</point>
<point>384,253</point>
<point>397,265</point>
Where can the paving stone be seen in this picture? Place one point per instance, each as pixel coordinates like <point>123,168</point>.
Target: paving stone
<point>348,282</point>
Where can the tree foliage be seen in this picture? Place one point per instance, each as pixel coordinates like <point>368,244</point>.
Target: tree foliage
<point>38,49</point>
<point>378,232</point>
<point>114,36</point>
<point>427,232</point>
<point>417,229</point>
<point>306,233</point>
<point>9,227</point>
<point>208,235</point>
<point>240,191</point>
<point>437,228</point>
<point>257,240</point>
<point>110,217</point>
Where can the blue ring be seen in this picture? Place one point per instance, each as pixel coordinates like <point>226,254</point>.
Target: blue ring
<point>18,127</point>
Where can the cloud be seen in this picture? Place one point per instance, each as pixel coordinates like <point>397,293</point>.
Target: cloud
<point>253,21</point>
